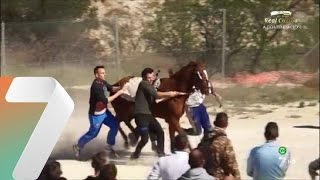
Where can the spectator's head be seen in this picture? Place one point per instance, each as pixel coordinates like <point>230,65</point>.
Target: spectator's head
<point>91,178</point>
<point>271,131</point>
<point>148,75</point>
<point>108,172</point>
<point>98,160</point>
<point>51,171</point>
<point>55,171</point>
<point>314,166</point>
<point>221,120</point>
<point>99,72</point>
<point>181,142</point>
<point>196,159</point>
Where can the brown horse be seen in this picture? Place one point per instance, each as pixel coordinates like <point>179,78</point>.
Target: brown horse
<point>193,74</point>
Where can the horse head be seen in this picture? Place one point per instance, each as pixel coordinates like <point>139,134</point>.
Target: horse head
<point>194,75</point>
<point>200,77</point>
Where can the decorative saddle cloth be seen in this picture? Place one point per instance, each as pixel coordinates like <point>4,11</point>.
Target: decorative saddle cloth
<point>132,87</point>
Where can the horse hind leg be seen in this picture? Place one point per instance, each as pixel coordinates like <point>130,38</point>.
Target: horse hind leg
<point>132,129</point>
<point>125,137</point>
<point>133,135</point>
<point>172,131</point>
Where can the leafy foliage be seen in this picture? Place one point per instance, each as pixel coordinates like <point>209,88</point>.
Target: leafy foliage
<point>190,29</point>
<point>40,10</point>
<point>47,31</point>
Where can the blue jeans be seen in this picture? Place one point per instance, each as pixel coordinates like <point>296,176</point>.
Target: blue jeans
<point>96,122</point>
<point>200,118</point>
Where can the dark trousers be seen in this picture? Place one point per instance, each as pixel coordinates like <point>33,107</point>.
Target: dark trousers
<point>147,124</point>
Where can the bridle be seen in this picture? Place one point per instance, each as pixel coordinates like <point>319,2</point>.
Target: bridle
<point>205,79</point>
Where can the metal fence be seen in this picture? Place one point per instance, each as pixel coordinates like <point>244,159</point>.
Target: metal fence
<point>69,49</point>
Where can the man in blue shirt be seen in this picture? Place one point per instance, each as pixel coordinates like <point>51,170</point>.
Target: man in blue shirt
<point>269,161</point>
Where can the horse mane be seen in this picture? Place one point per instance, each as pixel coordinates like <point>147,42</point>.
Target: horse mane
<point>170,71</point>
<point>181,73</point>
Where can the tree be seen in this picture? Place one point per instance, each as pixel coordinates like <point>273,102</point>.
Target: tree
<point>50,31</point>
<point>262,37</point>
<point>290,47</point>
<point>40,10</point>
<point>171,32</point>
<point>181,27</point>
<point>28,12</point>
<point>308,41</point>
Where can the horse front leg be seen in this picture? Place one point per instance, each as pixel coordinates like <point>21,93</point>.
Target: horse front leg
<point>182,132</point>
<point>172,131</point>
<point>175,127</point>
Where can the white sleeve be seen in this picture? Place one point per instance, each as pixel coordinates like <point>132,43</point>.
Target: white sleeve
<point>195,99</point>
<point>155,172</point>
<point>285,161</point>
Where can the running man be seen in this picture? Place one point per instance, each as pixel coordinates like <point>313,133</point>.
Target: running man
<point>99,113</point>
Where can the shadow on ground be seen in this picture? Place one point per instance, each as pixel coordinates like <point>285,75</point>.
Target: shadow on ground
<point>307,126</point>
<point>122,158</point>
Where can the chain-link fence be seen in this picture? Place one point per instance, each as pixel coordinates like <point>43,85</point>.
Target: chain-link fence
<point>62,49</point>
<point>68,50</point>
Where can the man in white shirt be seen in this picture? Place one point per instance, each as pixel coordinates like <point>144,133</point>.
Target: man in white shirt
<point>197,113</point>
<point>173,166</point>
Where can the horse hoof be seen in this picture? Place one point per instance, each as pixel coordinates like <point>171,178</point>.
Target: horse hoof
<point>161,154</point>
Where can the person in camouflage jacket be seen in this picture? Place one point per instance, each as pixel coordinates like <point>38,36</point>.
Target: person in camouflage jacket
<point>220,156</point>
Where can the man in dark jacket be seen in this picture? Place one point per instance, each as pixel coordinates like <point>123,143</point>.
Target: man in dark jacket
<point>145,121</point>
<point>98,111</point>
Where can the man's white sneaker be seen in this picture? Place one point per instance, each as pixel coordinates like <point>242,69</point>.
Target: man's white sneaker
<point>77,150</point>
<point>110,149</point>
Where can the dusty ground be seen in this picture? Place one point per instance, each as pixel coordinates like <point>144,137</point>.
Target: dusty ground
<point>299,132</point>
